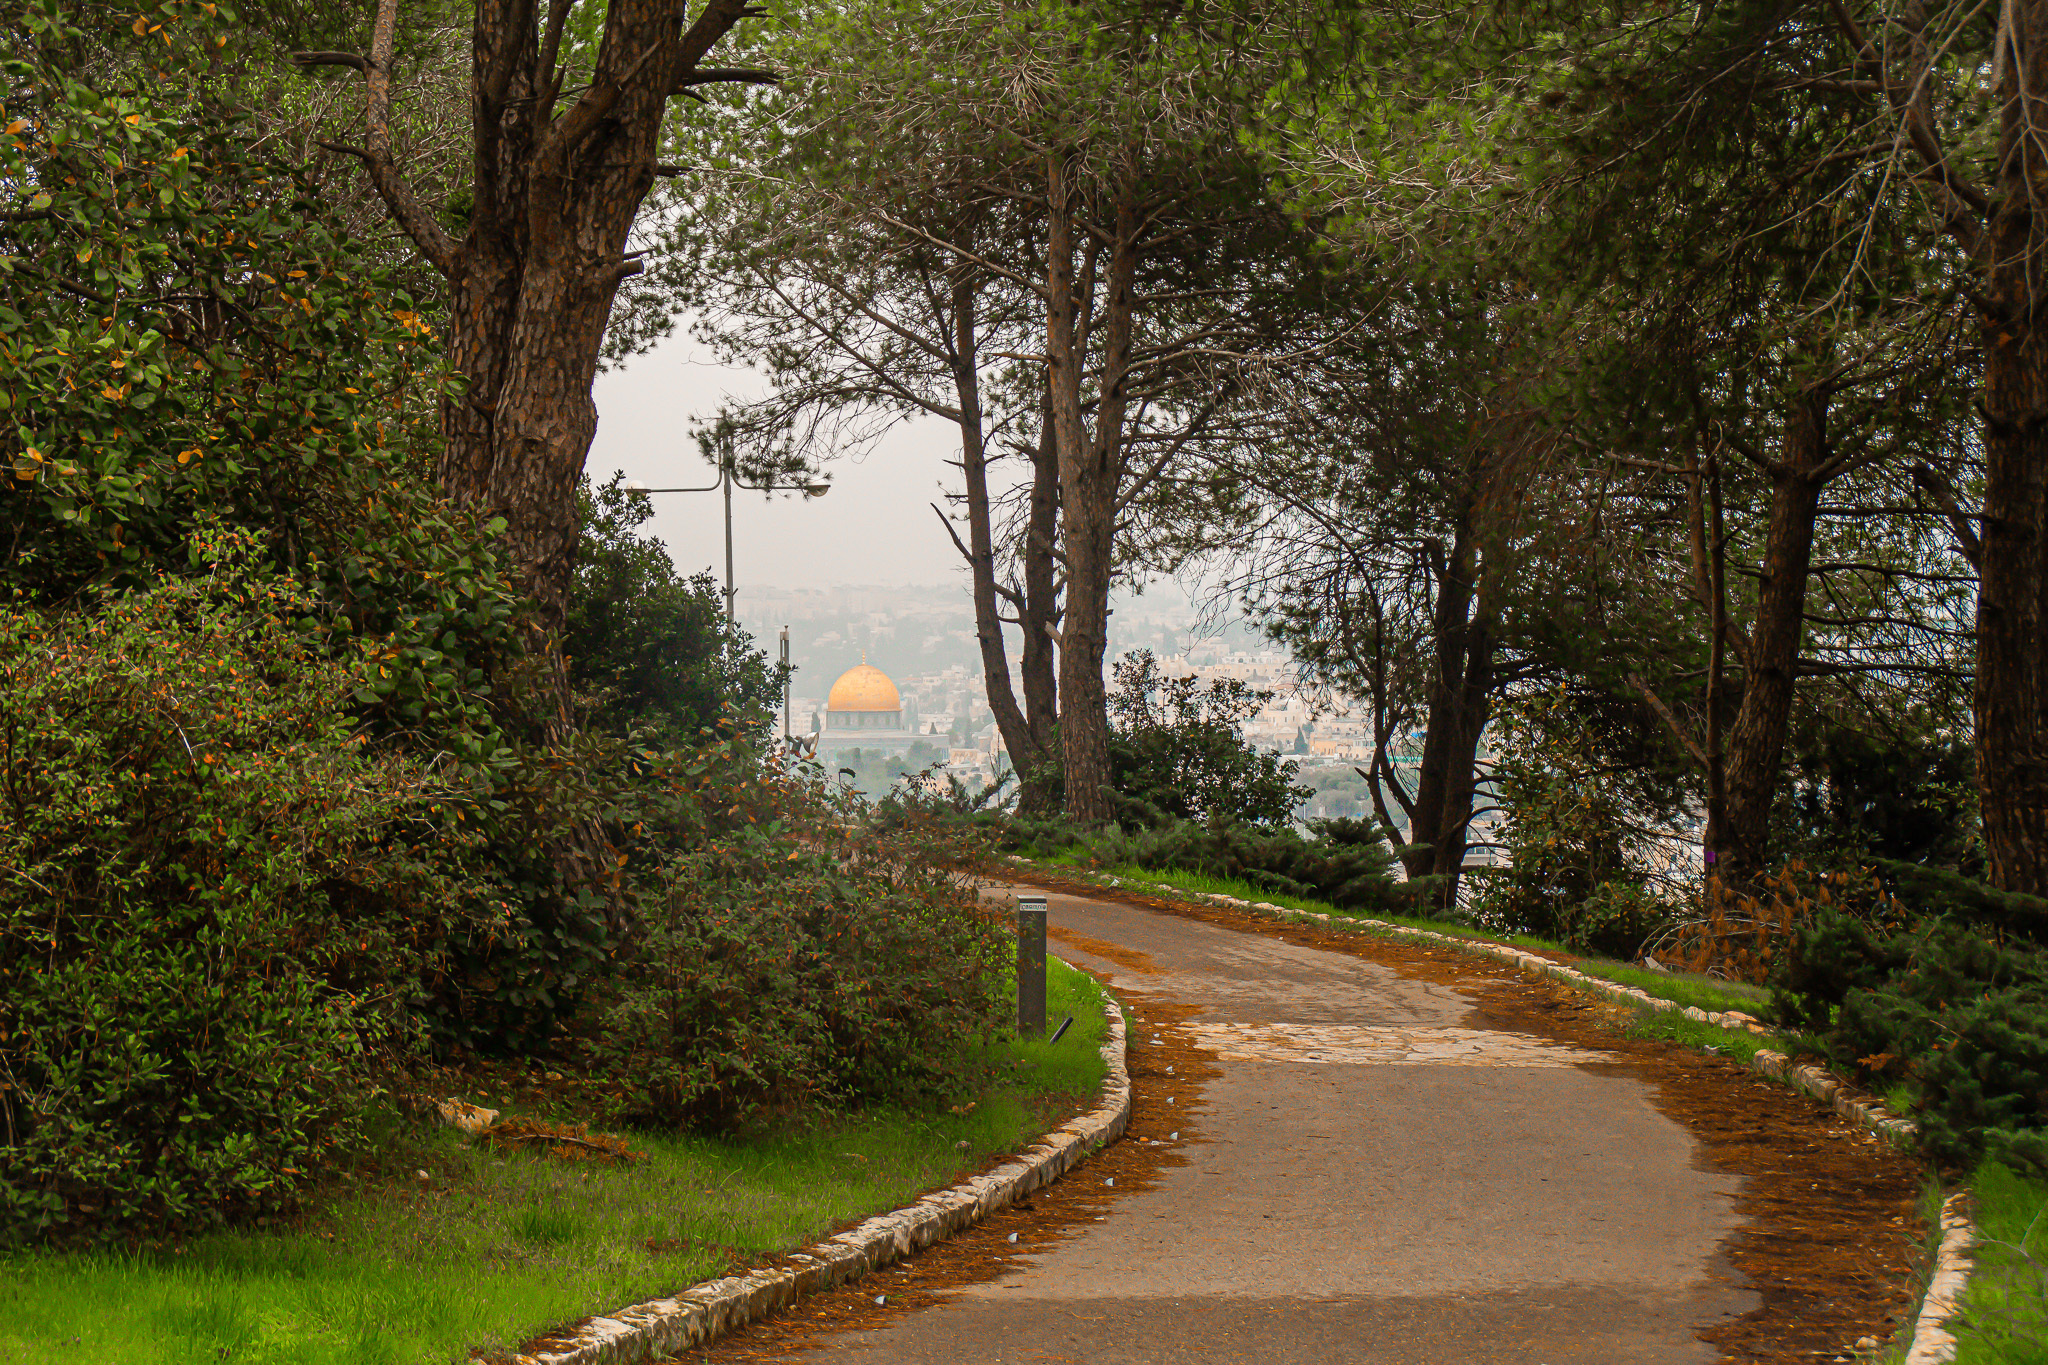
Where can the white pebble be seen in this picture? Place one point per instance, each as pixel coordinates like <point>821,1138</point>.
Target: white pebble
<point>1110,1181</point>
<point>1013,1237</point>
<point>881,1298</point>
<point>1173,1137</point>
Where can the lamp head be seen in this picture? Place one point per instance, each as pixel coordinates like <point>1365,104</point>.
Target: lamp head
<point>634,486</point>
<point>817,490</point>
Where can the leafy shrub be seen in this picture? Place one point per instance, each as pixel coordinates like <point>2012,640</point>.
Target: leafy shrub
<point>1579,870</point>
<point>1347,863</point>
<point>1917,975</point>
<point>1176,751</point>
<point>784,968</point>
<point>215,899</point>
<point>1958,1015</point>
<point>651,648</point>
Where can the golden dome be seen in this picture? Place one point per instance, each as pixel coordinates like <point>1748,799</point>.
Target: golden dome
<point>863,688</point>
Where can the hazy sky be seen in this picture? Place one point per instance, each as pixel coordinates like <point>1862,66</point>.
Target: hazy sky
<point>875,527</point>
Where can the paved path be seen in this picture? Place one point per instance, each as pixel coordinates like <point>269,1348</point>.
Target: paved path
<point>1376,1181</point>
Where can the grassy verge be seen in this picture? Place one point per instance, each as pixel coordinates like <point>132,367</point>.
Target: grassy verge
<point>1701,992</point>
<point>493,1247</point>
<point>2005,1310</point>
<point>1739,1044</point>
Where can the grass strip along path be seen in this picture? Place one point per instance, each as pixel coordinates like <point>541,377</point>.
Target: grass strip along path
<point>479,1249</point>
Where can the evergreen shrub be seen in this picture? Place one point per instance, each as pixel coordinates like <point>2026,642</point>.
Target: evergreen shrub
<point>1955,1008</point>
<point>1346,862</point>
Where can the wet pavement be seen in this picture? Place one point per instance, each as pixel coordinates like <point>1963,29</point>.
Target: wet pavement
<point>1371,1174</point>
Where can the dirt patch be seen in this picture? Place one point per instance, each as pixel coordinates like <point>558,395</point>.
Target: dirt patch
<point>1051,1216</point>
<point>1831,1233</point>
<point>1128,958</point>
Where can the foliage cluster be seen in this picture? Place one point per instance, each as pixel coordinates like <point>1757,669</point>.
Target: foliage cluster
<point>216,903</point>
<point>1905,977</point>
<point>651,650</point>
<point>789,966</point>
<point>1177,748</point>
<point>1576,873</point>
<point>288,800</point>
<point>1344,862</point>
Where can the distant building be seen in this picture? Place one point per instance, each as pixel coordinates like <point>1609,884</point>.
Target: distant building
<point>864,711</point>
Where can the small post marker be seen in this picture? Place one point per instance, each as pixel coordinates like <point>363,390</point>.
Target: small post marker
<point>1031,966</point>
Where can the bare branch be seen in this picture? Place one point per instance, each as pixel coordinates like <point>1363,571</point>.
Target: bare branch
<point>433,243</point>
<point>308,60</point>
<point>1671,722</point>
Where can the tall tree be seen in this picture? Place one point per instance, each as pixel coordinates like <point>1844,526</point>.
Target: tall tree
<point>868,310</point>
<point>1392,533</point>
<point>558,170</point>
<point>1778,308</point>
<point>1156,264</point>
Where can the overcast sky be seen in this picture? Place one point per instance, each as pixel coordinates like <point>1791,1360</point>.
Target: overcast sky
<point>875,527</point>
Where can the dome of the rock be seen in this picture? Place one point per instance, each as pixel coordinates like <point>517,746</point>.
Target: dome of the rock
<point>863,688</point>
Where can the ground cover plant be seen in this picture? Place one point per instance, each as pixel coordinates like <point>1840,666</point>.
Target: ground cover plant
<point>496,1244</point>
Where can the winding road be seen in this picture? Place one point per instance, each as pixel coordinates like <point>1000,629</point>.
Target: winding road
<point>1373,1168</point>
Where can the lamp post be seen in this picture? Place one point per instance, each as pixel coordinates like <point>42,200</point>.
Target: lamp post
<point>725,484</point>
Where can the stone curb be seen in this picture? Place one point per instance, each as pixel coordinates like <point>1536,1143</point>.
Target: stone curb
<point>662,1326</point>
<point>1933,1343</point>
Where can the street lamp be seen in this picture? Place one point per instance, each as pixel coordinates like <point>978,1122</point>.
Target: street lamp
<point>726,481</point>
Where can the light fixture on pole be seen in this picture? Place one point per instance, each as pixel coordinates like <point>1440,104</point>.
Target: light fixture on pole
<point>727,480</point>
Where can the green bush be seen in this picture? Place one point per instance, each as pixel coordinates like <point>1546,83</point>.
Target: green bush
<point>215,898</point>
<point>783,969</point>
<point>1346,864</point>
<point>1176,751</point>
<point>1943,1005</point>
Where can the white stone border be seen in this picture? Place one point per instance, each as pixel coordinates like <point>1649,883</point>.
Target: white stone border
<point>697,1315</point>
<point>1933,1343</point>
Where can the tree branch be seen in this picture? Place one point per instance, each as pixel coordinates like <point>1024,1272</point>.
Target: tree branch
<point>727,75</point>
<point>308,60</point>
<point>1935,485</point>
<point>1671,723</point>
<point>375,154</point>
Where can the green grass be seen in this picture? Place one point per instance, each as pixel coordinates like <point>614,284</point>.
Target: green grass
<point>1739,1044</point>
<point>1686,988</point>
<point>2005,1309</point>
<point>495,1247</point>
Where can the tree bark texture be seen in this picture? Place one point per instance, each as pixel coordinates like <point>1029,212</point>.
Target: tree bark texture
<point>2010,699</point>
<point>1754,749</point>
<point>532,280</point>
<point>1460,700</point>
<point>1029,745</point>
<point>1090,466</point>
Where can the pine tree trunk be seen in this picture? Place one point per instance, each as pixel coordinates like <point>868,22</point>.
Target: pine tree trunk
<point>1089,474</point>
<point>1754,750</point>
<point>1431,826</point>
<point>1027,753</point>
<point>2011,693</point>
<point>554,195</point>
<point>1039,618</point>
